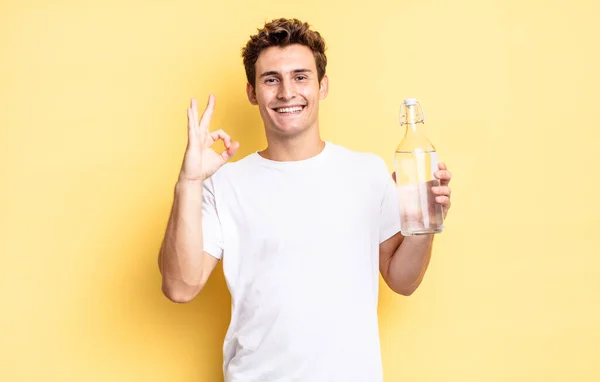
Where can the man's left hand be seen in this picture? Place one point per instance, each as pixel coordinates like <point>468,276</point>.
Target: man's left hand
<point>443,191</point>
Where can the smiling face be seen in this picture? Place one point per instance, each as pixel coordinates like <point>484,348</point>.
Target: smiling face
<point>287,90</point>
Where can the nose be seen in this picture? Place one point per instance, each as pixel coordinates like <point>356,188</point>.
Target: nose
<point>286,90</point>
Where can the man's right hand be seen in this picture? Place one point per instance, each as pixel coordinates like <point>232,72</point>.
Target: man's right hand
<point>201,161</point>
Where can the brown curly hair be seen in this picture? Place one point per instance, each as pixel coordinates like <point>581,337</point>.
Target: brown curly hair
<point>283,32</point>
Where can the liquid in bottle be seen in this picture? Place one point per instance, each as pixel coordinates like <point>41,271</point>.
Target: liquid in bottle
<point>415,163</point>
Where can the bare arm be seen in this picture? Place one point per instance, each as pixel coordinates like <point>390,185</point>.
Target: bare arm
<point>183,264</point>
<point>403,261</point>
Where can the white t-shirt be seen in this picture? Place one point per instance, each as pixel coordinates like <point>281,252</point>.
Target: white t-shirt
<point>299,243</point>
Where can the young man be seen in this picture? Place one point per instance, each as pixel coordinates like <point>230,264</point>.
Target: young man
<point>303,227</point>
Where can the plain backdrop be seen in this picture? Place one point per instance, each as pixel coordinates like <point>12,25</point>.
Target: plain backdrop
<point>93,98</point>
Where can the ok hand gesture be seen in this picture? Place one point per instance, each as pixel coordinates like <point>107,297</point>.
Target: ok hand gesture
<point>201,161</point>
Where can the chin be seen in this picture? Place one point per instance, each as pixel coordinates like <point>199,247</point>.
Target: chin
<point>289,130</point>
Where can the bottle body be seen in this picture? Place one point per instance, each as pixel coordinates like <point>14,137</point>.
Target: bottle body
<point>419,212</point>
<point>415,162</point>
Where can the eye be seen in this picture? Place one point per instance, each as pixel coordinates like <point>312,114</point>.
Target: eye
<point>270,80</point>
<point>301,77</point>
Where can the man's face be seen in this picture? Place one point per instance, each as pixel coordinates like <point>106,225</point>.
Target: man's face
<point>287,89</point>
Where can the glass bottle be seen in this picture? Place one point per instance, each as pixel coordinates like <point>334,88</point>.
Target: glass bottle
<point>415,163</point>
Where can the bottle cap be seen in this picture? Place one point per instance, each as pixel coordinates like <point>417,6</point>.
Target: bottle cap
<point>410,101</point>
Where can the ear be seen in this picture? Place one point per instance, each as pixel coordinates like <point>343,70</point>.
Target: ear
<point>324,87</point>
<point>251,94</point>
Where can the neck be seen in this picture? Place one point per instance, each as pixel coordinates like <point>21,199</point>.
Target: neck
<point>295,148</point>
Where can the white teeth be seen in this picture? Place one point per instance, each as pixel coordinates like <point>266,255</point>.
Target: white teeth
<point>289,109</point>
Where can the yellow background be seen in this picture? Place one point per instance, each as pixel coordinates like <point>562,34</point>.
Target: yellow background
<point>93,98</point>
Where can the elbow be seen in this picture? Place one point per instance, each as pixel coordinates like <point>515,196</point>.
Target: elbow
<point>179,298</point>
<point>179,294</point>
<point>405,290</point>
<point>401,288</point>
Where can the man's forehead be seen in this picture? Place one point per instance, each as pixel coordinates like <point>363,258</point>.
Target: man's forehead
<point>286,59</point>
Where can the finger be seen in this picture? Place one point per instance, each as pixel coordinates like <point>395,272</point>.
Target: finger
<point>230,151</point>
<point>191,128</point>
<point>189,117</point>
<point>443,200</point>
<point>444,175</point>
<point>194,106</point>
<point>442,166</point>
<point>442,190</point>
<point>394,176</point>
<point>220,134</point>
<point>208,112</point>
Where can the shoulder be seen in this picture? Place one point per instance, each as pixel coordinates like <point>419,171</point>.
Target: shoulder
<point>232,168</point>
<point>231,171</point>
<point>360,160</point>
<point>367,168</point>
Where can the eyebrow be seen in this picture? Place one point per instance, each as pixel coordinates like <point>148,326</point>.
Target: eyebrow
<point>275,73</point>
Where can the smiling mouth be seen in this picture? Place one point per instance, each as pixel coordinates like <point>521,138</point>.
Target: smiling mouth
<point>289,110</point>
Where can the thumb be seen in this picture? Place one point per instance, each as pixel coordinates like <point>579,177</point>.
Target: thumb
<point>230,151</point>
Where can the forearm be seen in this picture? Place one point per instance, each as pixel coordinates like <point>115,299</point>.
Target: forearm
<point>181,253</point>
<point>409,263</point>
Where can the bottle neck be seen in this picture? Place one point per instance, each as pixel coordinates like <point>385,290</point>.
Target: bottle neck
<point>411,117</point>
<point>414,137</point>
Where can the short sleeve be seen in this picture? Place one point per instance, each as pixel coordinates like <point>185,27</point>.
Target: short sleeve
<point>389,216</point>
<point>212,234</point>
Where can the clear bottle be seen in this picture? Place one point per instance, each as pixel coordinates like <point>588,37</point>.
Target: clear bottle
<point>415,163</point>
